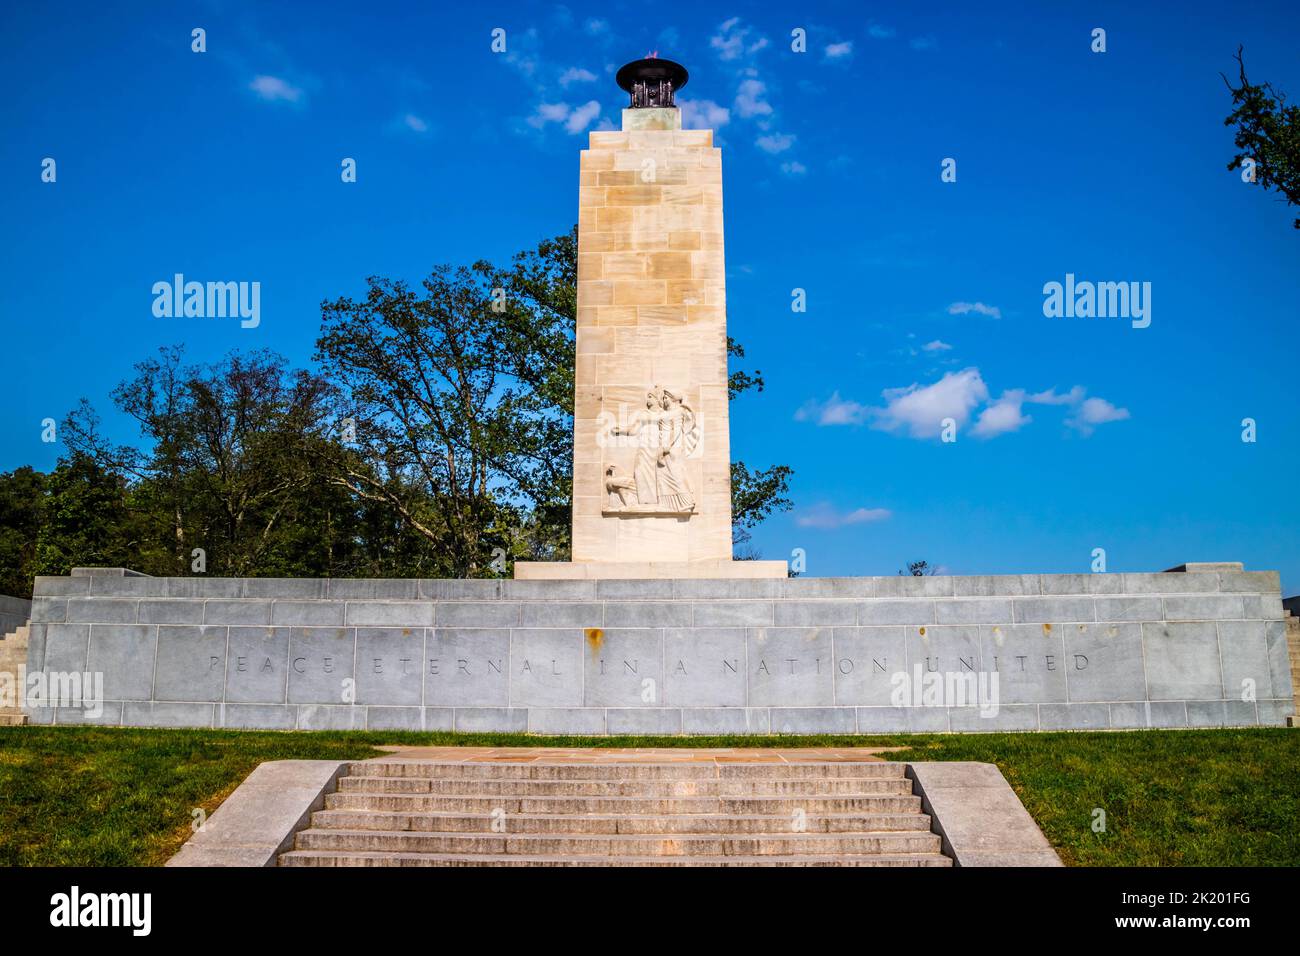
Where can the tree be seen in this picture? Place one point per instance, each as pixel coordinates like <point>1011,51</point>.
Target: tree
<point>22,512</point>
<point>754,496</point>
<point>229,464</point>
<point>919,569</point>
<point>446,427</point>
<point>1268,135</point>
<point>88,521</point>
<point>463,398</point>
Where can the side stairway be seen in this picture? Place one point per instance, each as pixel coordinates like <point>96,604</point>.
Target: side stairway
<point>13,655</point>
<point>1293,653</point>
<point>394,812</point>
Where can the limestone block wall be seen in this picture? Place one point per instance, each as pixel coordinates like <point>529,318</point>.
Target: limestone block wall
<point>803,655</point>
<point>651,315</point>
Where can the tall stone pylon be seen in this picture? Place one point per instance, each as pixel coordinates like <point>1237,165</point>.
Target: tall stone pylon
<point>651,448</point>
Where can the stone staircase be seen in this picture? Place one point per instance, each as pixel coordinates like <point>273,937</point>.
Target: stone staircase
<point>397,812</point>
<point>13,655</point>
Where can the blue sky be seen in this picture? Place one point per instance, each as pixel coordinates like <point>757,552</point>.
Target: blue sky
<point>924,297</point>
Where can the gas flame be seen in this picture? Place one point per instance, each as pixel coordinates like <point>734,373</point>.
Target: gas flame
<point>652,55</point>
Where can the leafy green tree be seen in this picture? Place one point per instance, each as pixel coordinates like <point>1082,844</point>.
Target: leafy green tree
<point>226,463</point>
<point>1268,135</point>
<point>754,496</point>
<point>88,521</point>
<point>22,512</point>
<point>445,426</point>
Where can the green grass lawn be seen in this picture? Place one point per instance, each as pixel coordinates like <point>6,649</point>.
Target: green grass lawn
<point>122,797</point>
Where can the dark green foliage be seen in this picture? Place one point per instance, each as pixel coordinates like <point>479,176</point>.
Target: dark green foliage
<point>1268,132</point>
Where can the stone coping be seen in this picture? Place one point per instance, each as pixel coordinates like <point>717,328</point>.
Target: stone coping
<point>803,588</point>
<point>979,817</point>
<point>258,821</point>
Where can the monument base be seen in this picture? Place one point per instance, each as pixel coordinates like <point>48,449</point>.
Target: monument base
<point>1020,652</point>
<point>647,570</point>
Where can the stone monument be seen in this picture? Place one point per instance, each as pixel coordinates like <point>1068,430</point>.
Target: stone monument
<point>651,449</point>
<point>659,631</point>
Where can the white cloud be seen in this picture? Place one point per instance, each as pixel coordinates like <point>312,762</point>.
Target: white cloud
<point>1093,412</point>
<point>272,89</point>
<point>924,43</point>
<point>826,517</point>
<point>1050,397</point>
<point>703,114</point>
<point>1002,416</point>
<point>965,308</point>
<point>732,41</point>
<point>837,51</point>
<point>921,409</point>
<point>522,52</point>
<point>415,123</point>
<point>794,168</point>
<point>879,32</point>
<point>596,26</point>
<point>774,142</point>
<point>750,101</point>
<point>936,346</point>
<point>835,411</point>
<point>575,118</point>
<point>582,116</point>
<point>576,74</point>
<point>548,113</point>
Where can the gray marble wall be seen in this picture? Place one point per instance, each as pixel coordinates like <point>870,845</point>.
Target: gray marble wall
<point>802,655</point>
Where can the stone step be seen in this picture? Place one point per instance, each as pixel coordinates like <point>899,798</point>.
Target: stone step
<point>689,844</point>
<point>781,806</point>
<point>624,771</point>
<point>627,788</point>
<point>10,718</point>
<point>594,823</point>
<point>379,858</point>
<point>1293,650</point>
